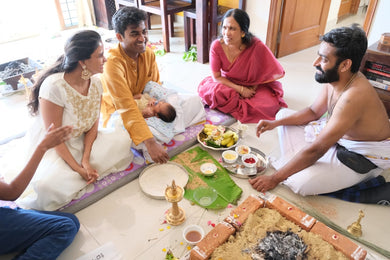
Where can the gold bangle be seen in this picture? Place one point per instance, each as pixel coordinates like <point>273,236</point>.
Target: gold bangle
<point>242,89</point>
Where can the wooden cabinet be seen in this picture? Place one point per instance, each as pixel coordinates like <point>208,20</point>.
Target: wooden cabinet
<point>374,55</point>
<point>104,10</point>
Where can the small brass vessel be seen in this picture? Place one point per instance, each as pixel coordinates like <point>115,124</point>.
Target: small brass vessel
<point>173,194</point>
<point>356,228</point>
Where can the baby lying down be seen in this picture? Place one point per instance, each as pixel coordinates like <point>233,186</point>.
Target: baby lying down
<point>150,107</point>
<point>156,101</point>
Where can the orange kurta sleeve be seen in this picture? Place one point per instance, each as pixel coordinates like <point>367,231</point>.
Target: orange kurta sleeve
<point>122,79</point>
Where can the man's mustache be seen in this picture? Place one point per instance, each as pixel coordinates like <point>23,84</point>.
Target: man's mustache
<point>319,68</point>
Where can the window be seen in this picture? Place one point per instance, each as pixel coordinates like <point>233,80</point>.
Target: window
<point>67,13</point>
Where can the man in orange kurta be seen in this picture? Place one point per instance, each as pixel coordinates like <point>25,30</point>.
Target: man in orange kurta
<point>129,67</point>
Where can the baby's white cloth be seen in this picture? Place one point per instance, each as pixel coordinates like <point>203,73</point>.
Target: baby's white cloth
<point>189,111</point>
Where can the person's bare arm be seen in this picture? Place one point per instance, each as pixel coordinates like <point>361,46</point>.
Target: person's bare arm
<point>302,117</point>
<point>16,187</point>
<point>89,139</point>
<point>52,113</point>
<point>345,114</point>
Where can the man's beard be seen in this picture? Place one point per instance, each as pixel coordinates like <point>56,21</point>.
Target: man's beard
<point>328,76</point>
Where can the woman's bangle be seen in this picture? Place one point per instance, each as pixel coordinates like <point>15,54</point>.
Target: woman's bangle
<point>242,90</point>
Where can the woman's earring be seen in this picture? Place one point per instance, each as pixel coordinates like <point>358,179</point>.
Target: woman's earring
<point>85,73</point>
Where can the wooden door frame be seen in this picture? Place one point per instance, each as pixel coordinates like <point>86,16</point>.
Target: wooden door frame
<point>370,15</point>
<point>275,17</point>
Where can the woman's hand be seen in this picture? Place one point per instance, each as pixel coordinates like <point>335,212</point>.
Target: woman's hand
<point>88,173</point>
<point>247,92</point>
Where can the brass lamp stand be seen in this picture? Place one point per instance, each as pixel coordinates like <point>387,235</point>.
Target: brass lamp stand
<point>173,194</point>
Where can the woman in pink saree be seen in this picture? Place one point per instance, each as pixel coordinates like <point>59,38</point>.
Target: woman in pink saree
<point>244,73</point>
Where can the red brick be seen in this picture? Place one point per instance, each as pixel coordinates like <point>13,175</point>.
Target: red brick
<point>290,212</point>
<point>216,237</point>
<point>340,242</point>
<point>240,214</point>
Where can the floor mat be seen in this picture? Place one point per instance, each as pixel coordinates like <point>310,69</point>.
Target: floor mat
<point>116,180</point>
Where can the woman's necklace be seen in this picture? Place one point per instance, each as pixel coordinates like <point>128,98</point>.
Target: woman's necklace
<point>330,105</point>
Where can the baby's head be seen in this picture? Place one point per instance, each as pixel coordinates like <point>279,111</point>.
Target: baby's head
<point>165,111</point>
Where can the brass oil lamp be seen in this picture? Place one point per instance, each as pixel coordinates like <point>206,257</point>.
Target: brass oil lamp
<point>173,194</point>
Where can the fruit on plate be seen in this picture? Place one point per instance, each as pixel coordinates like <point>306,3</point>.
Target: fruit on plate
<point>218,136</point>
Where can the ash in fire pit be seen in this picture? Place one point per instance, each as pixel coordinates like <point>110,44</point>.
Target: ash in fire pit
<point>267,221</point>
<point>280,245</point>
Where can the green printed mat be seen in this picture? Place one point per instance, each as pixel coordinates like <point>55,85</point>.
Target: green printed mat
<point>227,189</point>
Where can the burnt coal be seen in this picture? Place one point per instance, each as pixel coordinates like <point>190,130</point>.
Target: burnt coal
<point>280,245</point>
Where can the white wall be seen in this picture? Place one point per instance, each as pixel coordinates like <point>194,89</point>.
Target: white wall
<point>24,18</point>
<point>333,10</point>
<point>381,22</point>
<point>258,11</point>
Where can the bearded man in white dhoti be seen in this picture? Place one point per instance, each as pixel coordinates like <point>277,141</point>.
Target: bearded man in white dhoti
<point>343,138</point>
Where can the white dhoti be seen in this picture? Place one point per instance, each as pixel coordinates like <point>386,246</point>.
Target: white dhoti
<point>328,174</point>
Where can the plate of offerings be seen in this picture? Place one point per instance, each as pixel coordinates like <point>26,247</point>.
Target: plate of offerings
<point>240,170</point>
<point>218,137</point>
